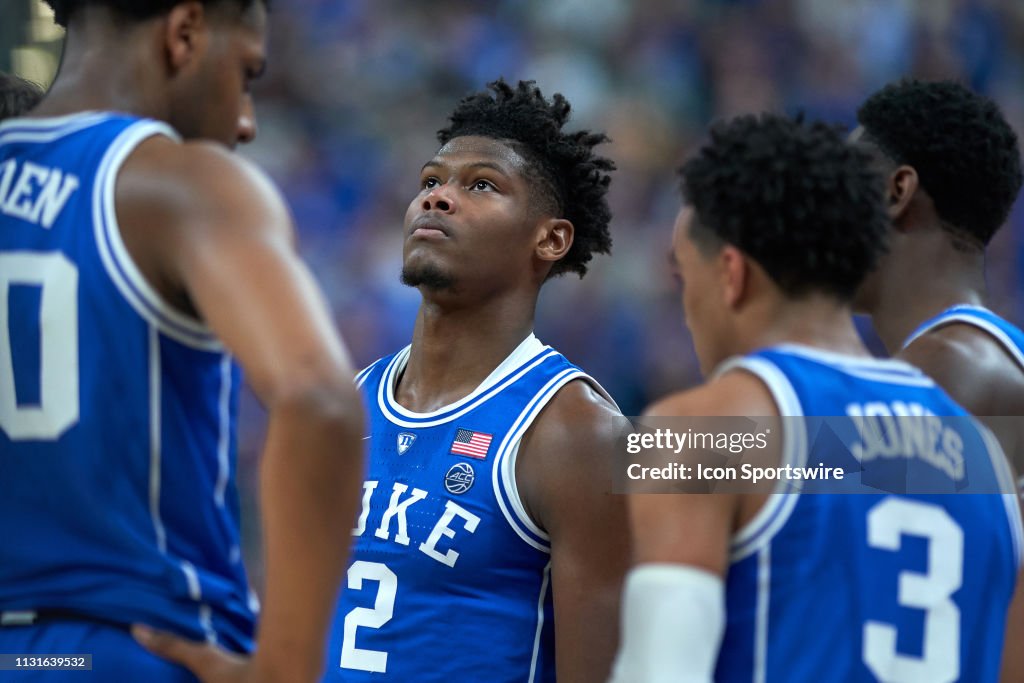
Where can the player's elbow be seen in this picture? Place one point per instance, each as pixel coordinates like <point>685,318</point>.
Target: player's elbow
<point>328,404</point>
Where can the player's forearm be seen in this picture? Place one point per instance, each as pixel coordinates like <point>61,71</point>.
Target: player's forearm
<point>310,483</point>
<point>586,645</point>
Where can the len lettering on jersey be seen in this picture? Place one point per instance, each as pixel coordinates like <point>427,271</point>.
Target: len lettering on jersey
<point>33,192</point>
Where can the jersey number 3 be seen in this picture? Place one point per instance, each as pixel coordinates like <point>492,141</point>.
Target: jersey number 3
<point>56,279</point>
<point>939,662</point>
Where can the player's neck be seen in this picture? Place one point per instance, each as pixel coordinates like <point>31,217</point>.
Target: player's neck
<point>921,283</point>
<point>455,349</point>
<point>818,322</point>
<point>103,73</point>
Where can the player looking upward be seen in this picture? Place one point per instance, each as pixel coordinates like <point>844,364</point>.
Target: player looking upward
<point>488,533</point>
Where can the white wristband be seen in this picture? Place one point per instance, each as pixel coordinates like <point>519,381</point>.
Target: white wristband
<point>673,619</point>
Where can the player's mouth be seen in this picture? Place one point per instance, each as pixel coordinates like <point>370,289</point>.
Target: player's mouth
<point>429,228</point>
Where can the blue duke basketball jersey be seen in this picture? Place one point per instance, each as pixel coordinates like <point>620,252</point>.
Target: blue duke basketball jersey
<point>450,577</point>
<point>117,446</point>
<point>1008,336</point>
<point>873,588</point>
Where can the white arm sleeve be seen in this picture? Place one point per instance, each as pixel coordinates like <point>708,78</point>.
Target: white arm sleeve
<point>673,619</point>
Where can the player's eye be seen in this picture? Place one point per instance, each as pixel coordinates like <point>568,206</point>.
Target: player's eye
<point>250,73</point>
<point>430,183</point>
<point>483,185</point>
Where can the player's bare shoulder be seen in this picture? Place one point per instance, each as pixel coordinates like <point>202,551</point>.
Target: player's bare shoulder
<point>735,392</point>
<point>197,180</point>
<point>176,200</point>
<point>569,450</point>
<point>579,419</point>
<point>972,367</point>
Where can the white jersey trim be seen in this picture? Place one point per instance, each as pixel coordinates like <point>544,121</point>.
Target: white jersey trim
<point>962,314</point>
<point>540,622</point>
<point>41,130</point>
<point>155,440</point>
<point>364,373</point>
<point>530,352</point>
<point>758,532</point>
<point>503,472</point>
<point>887,370</point>
<point>117,262</point>
<point>224,437</point>
<point>764,595</point>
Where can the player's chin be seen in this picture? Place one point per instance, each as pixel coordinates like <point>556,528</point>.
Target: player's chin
<point>426,272</point>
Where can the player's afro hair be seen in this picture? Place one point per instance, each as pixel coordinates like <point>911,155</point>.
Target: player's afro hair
<point>131,9</point>
<point>963,150</point>
<point>794,197</point>
<point>563,167</point>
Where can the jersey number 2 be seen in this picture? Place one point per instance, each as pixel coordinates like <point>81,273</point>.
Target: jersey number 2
<point>57,280</point>
<point>931,592</point>
<point>353,657</point>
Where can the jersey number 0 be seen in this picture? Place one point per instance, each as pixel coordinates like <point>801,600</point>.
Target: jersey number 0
<point>56,278</point>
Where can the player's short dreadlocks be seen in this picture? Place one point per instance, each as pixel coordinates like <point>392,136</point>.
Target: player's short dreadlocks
<point>562,166</point>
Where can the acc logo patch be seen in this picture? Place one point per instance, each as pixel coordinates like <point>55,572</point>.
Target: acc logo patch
<point>405,440</point>
<point>459,478</point>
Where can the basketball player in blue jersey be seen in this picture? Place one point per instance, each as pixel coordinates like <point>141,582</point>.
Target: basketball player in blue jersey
<point>953,169</point>
<point>794,588</point>
<point>136,263</point>
<point>17,95</point>
<point>489,547</point>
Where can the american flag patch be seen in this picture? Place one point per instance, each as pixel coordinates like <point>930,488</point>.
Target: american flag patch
<point>473,444</point>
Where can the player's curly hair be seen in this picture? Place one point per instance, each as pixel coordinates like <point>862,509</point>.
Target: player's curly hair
<point>794,196</point>
<point>131,9</point>
<point>562,166</point>
<point>17,95</point>
<point>965,153</point>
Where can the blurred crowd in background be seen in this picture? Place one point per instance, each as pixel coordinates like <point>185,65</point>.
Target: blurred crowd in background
<point>356,89</point>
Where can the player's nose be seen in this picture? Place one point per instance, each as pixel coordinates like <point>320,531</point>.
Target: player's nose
<point>246,123</point>
<point>440,198</point>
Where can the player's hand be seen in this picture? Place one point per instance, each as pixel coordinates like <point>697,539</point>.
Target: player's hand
<point>210,663</point>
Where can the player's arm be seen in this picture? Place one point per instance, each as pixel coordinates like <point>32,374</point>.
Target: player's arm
<point>564,473</point>
<point>970,367</point>
<point>1013,654</point>
<point>978,374</point>
<point>673,605</point>
<point>227,244</point>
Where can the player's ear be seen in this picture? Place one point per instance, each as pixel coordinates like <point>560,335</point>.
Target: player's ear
<point>185,35</point>
<point>900,190</point>
<point>734,272</point>
<point>554,239</point>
